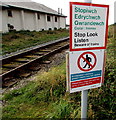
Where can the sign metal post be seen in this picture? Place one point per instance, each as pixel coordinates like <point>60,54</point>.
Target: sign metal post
<point>84,94</point>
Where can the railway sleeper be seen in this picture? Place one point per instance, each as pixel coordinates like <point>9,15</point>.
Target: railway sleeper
<point>25,75</point>
<point>39,54</point>
<point>9,66</point>
<point>45,50</point>
<point>34,68</point>
<point>21,60</point>
<point>9,84</point>
<point>31,56</point>
<point>46,62</point>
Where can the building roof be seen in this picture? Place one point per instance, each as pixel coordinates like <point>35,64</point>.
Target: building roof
<point>3,4</point>
<point>33,6</point>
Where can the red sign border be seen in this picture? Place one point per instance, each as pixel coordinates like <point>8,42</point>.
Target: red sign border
<point>106,34</point>
<point>78,64</point>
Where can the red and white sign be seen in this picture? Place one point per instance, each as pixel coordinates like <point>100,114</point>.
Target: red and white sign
<point>86,57</point>
<point>85,70</point>
<point>88,26</point>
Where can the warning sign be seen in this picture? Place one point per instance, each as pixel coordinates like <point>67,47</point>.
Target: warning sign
<point>88,26</point>
<point>87,61</point>
<point>85,70</point>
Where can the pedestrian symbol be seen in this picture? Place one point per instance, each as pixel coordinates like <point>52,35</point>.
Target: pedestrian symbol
<point>86,61</point>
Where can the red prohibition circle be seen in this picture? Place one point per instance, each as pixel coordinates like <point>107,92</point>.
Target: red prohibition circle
<point>82,57</point>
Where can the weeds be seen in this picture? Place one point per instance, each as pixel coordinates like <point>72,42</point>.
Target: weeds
<point>60,110</point>
<point>17,40</point>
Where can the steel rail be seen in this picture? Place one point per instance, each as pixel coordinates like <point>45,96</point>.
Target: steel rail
<point>9,58</point>
<point>26,65</point>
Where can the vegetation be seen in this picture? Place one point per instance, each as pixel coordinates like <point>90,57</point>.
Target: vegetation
<point>112,31</point>
<point>46,97</point>
<point>17,40</point>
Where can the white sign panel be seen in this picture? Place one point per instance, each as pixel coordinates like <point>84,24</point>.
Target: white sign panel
<point>88,26</point>
<point>85,70</point>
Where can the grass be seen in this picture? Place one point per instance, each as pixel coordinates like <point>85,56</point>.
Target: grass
<point>46,97</point>
<point>14,41</point>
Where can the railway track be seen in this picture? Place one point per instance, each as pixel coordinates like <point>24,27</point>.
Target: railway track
<point>15,64</point>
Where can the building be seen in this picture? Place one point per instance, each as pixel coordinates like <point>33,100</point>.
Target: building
<point>30,16</point>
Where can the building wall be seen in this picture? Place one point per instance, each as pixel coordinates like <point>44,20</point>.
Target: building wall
<point>4,21</point>
<point>0,20</point>
<point>41,22</point>
<point>28,20</point>
<point>62,22</point>
<point>15,20</point>
<point>50,23</point>
<point>55,23</point>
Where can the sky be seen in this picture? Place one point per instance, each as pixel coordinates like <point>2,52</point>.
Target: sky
<point>64,5</point>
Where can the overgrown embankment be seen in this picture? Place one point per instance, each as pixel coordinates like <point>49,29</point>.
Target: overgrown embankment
<point>46,97</point>
<point>14,41</point>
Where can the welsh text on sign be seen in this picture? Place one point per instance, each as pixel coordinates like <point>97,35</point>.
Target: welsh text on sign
<point>88,26</point>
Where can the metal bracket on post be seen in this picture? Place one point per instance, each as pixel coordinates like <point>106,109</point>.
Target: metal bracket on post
<point>88,1</point>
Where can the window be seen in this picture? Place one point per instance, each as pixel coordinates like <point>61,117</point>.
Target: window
<point>9,13</point>
<point>48,18</point>
<point>55,19</point>
<point>38,16</point>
